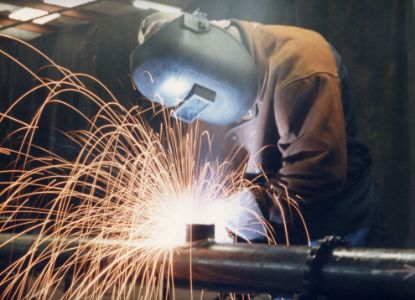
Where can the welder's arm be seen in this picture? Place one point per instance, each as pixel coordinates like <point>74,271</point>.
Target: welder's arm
<point>310,121</point>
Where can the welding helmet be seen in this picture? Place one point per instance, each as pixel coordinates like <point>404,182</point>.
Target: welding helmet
<point>198,69</point>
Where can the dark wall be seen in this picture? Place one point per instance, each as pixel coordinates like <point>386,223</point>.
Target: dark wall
<point>410,9</point>
<point>374,38</point>
<point>101,50</point>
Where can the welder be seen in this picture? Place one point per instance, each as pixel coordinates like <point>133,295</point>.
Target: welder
<point>279,94</point>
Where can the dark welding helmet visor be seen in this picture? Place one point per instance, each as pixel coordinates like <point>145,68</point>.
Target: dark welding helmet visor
<point>198,69</point>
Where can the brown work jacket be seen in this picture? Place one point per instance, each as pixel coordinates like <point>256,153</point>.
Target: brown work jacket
<point>296,131</point>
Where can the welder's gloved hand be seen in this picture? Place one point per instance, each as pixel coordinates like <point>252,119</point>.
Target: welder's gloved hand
<point>247,220</point>
<point>274,200</point>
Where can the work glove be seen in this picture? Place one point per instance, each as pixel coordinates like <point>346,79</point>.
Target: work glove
<point>273,198</point>
<point>277,204</point>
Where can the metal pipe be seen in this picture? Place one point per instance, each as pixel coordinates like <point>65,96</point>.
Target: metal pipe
<point>355,273</point>
<point>359,273</point>
<point>243,268</point>
<point>380,273</point>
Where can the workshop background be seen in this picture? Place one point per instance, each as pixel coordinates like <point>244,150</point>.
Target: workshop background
<point>375,38</point>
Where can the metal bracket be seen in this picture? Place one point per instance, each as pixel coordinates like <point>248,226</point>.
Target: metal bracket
<point>317,258</point>
<point>197,22</point>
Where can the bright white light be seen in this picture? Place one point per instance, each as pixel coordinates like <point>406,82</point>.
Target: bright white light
<point>47,18</point>
<point>27,13</point>
<point>174,87</point>
<point>156,6</point>
<point>170,223</point>
<point>67,3</point>
<point>238,213</point>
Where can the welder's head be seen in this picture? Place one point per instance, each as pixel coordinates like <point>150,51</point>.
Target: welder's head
<point>188,63</point>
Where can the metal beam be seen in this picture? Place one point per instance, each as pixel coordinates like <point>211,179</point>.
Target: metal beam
<point>44,29</point>
<point>177,3</point>
<point>76,12</point>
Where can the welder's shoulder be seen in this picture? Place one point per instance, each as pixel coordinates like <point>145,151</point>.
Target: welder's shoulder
<point>295,53</point>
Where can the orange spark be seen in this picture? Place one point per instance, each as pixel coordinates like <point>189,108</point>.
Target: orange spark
<point>128,183</point>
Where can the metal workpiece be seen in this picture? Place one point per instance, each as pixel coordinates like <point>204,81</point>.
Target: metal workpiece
<point>359,273</point>
<point>370,273</point>
<point>242,268</point>
<point>339,272</point>
<point>199,232</point>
